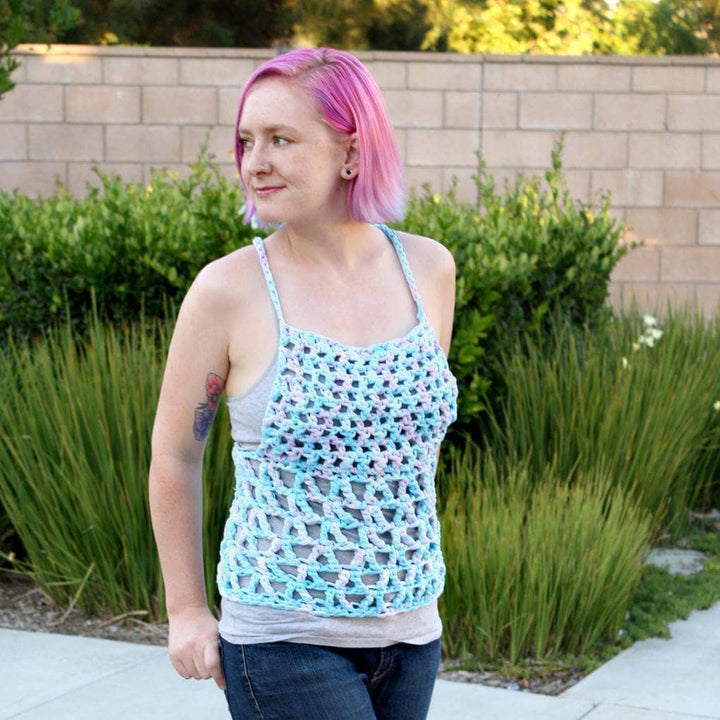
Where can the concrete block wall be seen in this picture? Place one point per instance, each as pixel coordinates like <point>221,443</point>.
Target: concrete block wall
<point>645,129</point>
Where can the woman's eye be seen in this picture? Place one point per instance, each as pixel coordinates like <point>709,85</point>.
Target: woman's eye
<point>245,143</point>
<point>280,140</point>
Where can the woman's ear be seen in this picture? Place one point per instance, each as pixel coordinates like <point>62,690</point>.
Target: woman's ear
<point>352,158</point>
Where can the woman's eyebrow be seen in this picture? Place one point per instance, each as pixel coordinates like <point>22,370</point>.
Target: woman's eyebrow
<point>270,129</point>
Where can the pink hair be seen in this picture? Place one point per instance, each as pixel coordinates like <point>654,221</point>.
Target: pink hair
<point>349,101</point>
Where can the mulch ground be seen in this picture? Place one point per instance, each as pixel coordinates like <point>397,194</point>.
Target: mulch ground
<point>24,606</point>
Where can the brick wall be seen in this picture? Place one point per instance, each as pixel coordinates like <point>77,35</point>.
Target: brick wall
<point>647,130</point>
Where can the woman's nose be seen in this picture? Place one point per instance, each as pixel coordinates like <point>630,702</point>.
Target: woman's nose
<point>256,160</point>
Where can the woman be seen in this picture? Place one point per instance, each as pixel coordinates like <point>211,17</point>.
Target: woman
<point>330,339</point>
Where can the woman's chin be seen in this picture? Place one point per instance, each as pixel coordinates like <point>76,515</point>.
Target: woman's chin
<point>265,220</point>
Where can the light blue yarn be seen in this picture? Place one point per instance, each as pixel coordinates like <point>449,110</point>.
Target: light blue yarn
<point>335,512</point>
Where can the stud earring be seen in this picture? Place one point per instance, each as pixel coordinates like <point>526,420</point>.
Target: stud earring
<point>348,171</point>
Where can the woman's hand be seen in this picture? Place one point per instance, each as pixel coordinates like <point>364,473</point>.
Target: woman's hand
<point>193,645</point>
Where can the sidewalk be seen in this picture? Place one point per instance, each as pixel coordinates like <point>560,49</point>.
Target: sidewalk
<point>60,677</point>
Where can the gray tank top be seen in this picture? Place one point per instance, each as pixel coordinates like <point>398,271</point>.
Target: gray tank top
<point>246,624</point>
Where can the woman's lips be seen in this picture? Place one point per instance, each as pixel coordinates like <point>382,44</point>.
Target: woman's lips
<point>267,191</point>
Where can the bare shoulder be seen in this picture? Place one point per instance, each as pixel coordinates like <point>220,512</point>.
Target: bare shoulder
<point>225,283</point>
<point>428,256</point>
<point>434,269</point>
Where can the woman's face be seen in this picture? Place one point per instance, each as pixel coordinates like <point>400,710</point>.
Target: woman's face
<point>292,161</point>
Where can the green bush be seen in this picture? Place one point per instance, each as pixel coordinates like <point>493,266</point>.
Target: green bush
<point>535,567</point>
<point>134,248</point>
<point>522,257</point>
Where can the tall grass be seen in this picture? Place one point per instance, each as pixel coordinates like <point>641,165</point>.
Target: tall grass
<point>536,567</point>
<point>75,427</point>
<point>603,402</point>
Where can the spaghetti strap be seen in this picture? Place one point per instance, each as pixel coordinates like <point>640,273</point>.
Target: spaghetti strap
<point>269,281</point>
<point>409,277</point>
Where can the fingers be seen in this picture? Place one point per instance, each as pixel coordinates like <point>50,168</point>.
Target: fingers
<point>213,665</point>
<point>202,664</point>
<point>181,668</point>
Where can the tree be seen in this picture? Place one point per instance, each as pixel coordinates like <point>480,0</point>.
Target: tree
<point>570,27</point>
<point>398,25</point>
<point>670,27</point>
<point>686,27</point>
<point>629,27</point>
<point>22,21</point>
<point>11,31</point>
<point>362,24</point>
<point>204,23</point>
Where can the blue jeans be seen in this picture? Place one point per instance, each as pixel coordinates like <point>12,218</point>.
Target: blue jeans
<point>294,681</point>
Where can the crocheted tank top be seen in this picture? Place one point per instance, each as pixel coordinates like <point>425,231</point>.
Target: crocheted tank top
<point>335,512</point>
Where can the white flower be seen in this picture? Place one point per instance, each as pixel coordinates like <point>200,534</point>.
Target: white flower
<point>625,363</point>
<point>716,406</point>
<point>650,334</point>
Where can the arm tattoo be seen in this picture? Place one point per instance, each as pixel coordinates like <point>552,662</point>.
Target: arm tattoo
<point>205,411</point>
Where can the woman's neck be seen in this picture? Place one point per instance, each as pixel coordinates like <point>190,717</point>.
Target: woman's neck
<point>341,245</point>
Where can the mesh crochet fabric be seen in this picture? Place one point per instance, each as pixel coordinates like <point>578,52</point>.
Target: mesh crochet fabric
<point>335,513</point>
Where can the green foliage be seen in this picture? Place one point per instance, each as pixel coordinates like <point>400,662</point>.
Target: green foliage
<point>575,27</point>
<point>22,21</point>
<point>130,247</point>
<point>74,452</point>
<point>685,28</point>
<point>570,27</point>
<point>669,27</point>
<point>75,427</point>
<point>363,24</point>
<point>522,256</point>
<point>398,25</point>
<point>623,402</point>
<point>232,23</point>
<point>337,24</point>
<point>536,567</point>
<point>11,30</point>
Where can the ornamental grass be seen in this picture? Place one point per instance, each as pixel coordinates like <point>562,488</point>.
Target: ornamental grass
<point>636,400</point>
<point>74,455</point>
<point>536,567</point>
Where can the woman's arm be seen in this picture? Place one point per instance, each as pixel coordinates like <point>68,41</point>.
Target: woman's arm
<point>195,374</point>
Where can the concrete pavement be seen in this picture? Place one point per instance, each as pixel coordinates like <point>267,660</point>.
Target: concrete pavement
<point>63,677</point>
